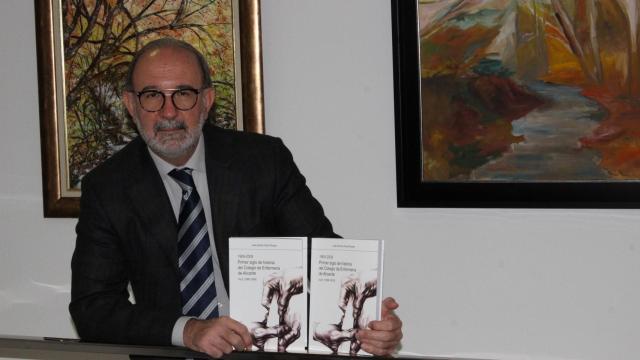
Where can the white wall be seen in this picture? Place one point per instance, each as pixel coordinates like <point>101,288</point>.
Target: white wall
<point>34,252</point>
<point>511,284</point>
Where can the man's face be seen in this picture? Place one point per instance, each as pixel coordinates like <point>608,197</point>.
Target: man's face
<point>170,132</point>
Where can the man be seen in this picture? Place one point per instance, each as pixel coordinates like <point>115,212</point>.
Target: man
<point>177,193</point>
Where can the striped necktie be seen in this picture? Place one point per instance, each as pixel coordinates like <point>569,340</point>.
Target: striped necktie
<point>197,286</point>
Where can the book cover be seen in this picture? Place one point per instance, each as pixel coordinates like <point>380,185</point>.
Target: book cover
<point>267,291</point>
<point>345,292</point>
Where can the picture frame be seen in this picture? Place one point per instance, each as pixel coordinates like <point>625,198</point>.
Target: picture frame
<point>60,199</point>
<point>413,191</point>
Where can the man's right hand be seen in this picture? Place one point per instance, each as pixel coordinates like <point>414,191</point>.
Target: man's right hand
<point>216,337</point>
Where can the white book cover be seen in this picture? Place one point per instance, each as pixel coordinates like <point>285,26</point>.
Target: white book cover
<point>268,291</point>
<point>345,292</point>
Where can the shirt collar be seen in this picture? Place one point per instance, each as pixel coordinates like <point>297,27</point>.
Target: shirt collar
<point>195,162</point>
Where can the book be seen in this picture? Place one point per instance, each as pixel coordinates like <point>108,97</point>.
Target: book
<point>345,292</point>
<point>268,291</point>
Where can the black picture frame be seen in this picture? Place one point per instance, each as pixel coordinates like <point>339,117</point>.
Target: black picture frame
<point>413,192</point>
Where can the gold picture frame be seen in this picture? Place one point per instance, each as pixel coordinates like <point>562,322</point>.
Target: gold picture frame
<point>60,198</point>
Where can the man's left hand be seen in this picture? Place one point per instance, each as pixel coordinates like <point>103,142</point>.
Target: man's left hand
<point>382,337</point>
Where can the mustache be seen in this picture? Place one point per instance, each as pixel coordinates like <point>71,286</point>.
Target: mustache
<point>169,124</point>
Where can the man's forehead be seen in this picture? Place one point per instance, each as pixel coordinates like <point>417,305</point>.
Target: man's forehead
<point>163,53</point>
<point>155,61</point>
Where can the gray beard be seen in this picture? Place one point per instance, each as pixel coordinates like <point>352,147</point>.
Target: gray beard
<point>187,142</point>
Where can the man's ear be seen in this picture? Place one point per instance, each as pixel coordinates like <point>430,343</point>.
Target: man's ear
<point>209,95</point>
<point>129,99</point>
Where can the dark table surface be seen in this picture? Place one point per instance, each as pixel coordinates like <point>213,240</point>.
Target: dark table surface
<point>74,345</point>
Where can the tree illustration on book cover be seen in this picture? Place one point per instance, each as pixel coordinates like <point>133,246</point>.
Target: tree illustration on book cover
<point>355,289</point>
<point>100,38</point>
<point>279,288</point>
<point>530,90</point>
<point>345,292</point>
<point>268,291</point>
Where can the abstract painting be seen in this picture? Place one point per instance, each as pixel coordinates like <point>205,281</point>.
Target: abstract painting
<point>530,90</point>
<point>533,96</point>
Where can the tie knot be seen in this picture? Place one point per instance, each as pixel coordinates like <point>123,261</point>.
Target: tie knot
<point>183,177</point>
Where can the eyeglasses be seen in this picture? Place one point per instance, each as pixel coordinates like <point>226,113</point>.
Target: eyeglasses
<point>183,99</point>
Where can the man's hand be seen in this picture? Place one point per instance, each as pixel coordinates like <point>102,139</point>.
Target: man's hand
<point>216,337</point>
<point>382,336</point>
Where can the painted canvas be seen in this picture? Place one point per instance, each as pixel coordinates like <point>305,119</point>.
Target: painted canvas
<point>529,90</point>
<point>100,38</point>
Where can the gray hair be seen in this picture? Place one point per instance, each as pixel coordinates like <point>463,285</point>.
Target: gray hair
<point>165,43</point>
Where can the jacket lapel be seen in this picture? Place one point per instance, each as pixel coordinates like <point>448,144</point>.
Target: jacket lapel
<point>223,191</point>
<point>152,205</point>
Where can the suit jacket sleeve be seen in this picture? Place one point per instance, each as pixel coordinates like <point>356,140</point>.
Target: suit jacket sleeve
<point>258,191</point>
<point>297,212</point>
<point>99,304</point>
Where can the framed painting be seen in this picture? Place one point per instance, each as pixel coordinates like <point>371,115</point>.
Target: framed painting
<point>84,48</point>
<point>517,103</point>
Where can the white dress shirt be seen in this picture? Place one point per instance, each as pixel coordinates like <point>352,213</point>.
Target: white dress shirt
<point>197,163</point>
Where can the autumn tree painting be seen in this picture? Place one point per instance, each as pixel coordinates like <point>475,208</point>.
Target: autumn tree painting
<point>100,38</point>
<point>530,90</point>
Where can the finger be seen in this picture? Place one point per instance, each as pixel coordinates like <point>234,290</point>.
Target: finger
<point>236,341</point>
<point>239,328</point>
<point>391,303</point>
<point>232,324</point>
<point>230,340</point>
<point>222,343</point>
<point>218,337</point>
<point>388,305</point>
<point>246,339</point>
<point>380,344</point>
<point>378,350</point>
<point>390,323</point>
<point>375,335</point>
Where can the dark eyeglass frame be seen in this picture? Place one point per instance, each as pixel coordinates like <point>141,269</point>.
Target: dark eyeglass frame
<point>164,93</point>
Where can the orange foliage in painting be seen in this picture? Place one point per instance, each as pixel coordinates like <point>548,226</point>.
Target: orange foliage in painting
<point>563,65</point>
<point>466,115</point>
<point>617,138</point>
<point>618,135</point>
<point>446,52</point>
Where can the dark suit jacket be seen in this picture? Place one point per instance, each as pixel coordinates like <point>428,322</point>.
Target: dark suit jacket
<point>127,231</point>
